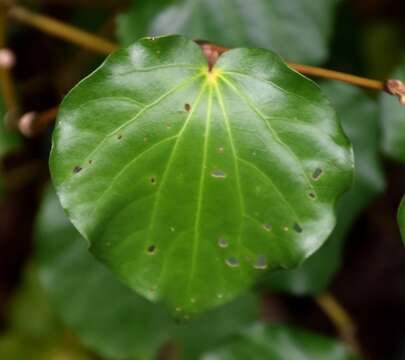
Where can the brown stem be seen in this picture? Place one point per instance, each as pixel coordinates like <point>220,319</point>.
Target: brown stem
<point>339,76</point>
<point>6,82</point>
<point>62,30</point>
<point>341,319</point>
<point>212,51</point>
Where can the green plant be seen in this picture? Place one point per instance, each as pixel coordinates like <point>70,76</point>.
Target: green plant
<point>196,173</point>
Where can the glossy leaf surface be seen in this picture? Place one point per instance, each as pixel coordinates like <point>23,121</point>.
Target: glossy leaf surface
<point>107,316</point>
<point>298,30</point>
<point>189,183</point>
<point>278,342</point>
<point>359,117</point>
<point>393,120</point>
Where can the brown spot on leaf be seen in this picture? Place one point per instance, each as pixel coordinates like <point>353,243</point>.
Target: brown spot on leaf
<point>77,169</point>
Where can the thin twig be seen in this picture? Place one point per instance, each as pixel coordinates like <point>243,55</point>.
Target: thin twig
<point>342,321</point>
<point>6,82</point>
<point>62,30</point>
<point>339,76</point>
<point>103,46</point>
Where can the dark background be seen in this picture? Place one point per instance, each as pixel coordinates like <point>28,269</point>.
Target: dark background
<point>368,39</point>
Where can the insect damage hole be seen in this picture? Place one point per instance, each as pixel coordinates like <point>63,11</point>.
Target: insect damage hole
<point>77,169</point>
<point>316,175</point>
<point>151,249</point>
<point>223,243</point>
<point>232,261</point>
<point>267,227</point>
<point>152,180</point>
<point>187,107</point>
<point>297,228</point>
<point>219,174</point>
<point>261,262</point>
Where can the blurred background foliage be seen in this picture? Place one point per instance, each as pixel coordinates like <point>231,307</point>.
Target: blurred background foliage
<point>57,302</point>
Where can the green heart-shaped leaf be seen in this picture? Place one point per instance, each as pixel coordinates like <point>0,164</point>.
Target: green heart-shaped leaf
<point>279,342</point>
<point>189,182</point>
<point>298,30</point>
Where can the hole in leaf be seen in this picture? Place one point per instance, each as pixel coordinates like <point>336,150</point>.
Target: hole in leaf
<point>220,149</point>
<point>151,249</point>
<point>220,296</point>
<point>312,195</point>
<point>219,174</point>
<point>152,180</point>
<point>119,137</point>
<point>77,169</point>
<point>223,243</point>
<point>90,162</point>
<point>286,228</point>
<point>232,261</point>
<point>187,107</point>
<point>267,227</point>
<point>297,228</point>
<point>261,262</point>
<point>317,174</point>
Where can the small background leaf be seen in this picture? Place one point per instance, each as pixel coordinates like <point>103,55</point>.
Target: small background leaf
<point>33,332</point>
<point>299,30</point>
<point>359,117</point>
<point>280,343</point>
